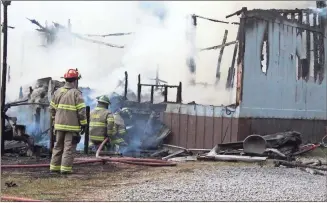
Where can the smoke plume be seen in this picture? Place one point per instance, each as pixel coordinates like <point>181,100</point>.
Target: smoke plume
<point>158,40</point>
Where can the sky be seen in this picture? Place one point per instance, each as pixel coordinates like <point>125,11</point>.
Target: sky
<point>158,41</point>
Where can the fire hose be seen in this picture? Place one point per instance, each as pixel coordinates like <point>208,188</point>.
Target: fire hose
<point>126,160</point>
<point>134,161</point>
<point>17,199</point>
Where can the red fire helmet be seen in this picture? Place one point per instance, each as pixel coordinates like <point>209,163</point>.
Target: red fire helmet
<point>72,73</point>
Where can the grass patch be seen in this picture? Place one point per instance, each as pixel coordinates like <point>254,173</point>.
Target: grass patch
<point>318,152</point>
<point>57,187</point>
<point>88,181</point>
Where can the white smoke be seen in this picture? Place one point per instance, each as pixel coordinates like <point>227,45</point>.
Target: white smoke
<point>159,39</point>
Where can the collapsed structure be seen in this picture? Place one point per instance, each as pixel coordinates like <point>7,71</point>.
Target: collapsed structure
<point>279,65</point>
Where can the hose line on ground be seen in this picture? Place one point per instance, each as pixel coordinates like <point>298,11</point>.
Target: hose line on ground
<point>17,199</point>
<point>130,160</point>
<point>98,158</point>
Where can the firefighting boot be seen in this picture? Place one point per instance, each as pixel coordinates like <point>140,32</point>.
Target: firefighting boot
<point>52,172</point>
<point>65,173</point>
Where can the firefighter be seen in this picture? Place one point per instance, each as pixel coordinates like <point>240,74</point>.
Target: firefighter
<point>101,122</point>
<point>68,110</point>
<point>119,129</point>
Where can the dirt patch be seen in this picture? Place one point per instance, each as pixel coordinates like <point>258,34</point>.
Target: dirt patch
<point>90,179</point>
<point>40,184</point>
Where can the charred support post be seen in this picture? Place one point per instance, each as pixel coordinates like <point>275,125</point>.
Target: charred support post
<point>231,70</point>
<point>152,91</point>
<point>4,71</point>
<point>315,48</point>
<point>306,66</point>
<point>139,88</point>
<point>220,56</point>
<point>321,47</point>
<point>300,17</point>
<point>166,93</point>
<point>299,61</point>
<point>126,85</point>
<point>87,130</point>
<point>179,93</point>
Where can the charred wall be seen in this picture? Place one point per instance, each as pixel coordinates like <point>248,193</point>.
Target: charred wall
<point>283,73</point>
<point>279,91</point>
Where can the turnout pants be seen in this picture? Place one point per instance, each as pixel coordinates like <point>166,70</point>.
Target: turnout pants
<point>63,152</point>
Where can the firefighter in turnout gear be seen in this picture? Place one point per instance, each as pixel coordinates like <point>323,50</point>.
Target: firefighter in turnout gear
<point>68,110</point>
<point>119,129</point>
<point>101,122</point>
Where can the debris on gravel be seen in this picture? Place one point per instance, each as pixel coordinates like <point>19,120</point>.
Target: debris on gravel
<point>217,183</point>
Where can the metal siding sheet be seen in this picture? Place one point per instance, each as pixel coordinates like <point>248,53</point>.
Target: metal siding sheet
<point>209,127</point>
<point>183,119</point>
<point>175,128</point>
<point>234,130</point>
<point>191,135</point>
<point>200,126</point>
<point>191,123</point>
<point>217,132</point>
<point>278,94</point>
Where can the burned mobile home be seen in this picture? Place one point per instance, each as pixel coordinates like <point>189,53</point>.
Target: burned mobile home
<point>277,73</point>
<point>285,92</point>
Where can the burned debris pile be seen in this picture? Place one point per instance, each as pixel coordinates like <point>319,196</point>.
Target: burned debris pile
<point>282,148</point>
<point>30,110</point>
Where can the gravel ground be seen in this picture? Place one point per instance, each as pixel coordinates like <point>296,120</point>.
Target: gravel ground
<point>225,183</point>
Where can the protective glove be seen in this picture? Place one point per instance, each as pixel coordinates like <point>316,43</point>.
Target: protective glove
<point>76,139</point>
<point>83,128</point>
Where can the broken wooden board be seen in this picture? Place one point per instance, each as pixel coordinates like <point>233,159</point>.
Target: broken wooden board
<point>233,158</point>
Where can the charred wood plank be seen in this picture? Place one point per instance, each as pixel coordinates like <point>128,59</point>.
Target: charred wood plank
<point>152,91</point>
<point>166,93</point>
<point>300,17</point>
<point>174,154</point>
<point>126,85</point>
<point>220,56</point>
<point>306,67</point>
<point>315,49</point>
<point>139,86</point>
<point>219,46</point>
<point>231,70</point>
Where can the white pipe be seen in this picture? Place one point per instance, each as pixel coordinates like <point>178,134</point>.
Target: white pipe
<point>236,158</point>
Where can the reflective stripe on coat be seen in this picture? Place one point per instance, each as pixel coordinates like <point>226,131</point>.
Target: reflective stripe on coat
<point>68,108</point>
<point>101,124</point>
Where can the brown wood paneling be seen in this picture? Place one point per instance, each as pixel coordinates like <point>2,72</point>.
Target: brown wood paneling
<point>208,134</point>
<point>199,139</point>
<point>183,133</point>
<point>244,128</point>
<point>167,121</point>
<point>175,126</point>
<point>234,129</point>
<point>217,130</point>
<point>191,139</point>
<point>226,134</point>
